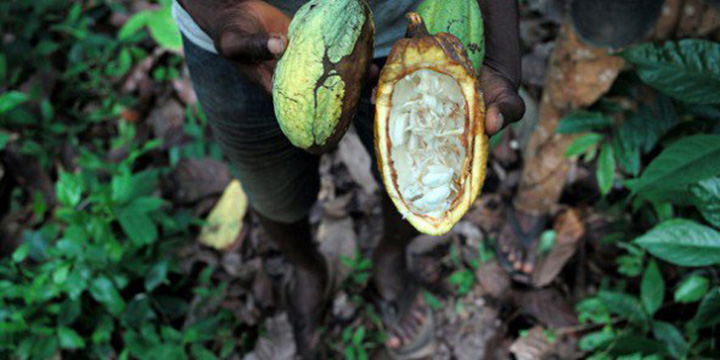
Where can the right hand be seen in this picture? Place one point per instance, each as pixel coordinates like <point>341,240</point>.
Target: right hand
<point>252,34</point>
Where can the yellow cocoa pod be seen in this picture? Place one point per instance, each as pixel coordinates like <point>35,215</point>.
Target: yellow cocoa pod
<point>430,129</point>
<point>319,79</point>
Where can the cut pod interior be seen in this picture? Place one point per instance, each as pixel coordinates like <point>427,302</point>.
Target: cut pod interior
<point>426,128</point>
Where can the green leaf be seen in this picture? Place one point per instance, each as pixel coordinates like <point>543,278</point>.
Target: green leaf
<point>5,138</point>
<point>103,291</point>
<point>103,330</point>
<point>164,30</point>
<point>69,189</point>
<point>596,340</point>
<point>685,162</point>
<point>350,353</point>
<point>3,66</point>
<point>201,353</point>
<point>582,121</point>
<point>683,242</point>
<point>628,156</point>
<point>137,225</point>
<point>606,169</point>
<point>359,336</point>
<point>133,25</point>
<point>61,274</point>
<point>147,204</point>
<point>70,310</point>
<point>138,311</point>
<point>652,288</point>
<point>688,70</point>
<point>672,337</point>
<point>708,313</point>
<point>582,144</point>
<point>624,305</point>
<point>547,241</point>
<point>21,253</point>
<point>122,188</point>
<point>69,339</point>
<point>11,100</point>
<point>592,310</point>
<point>156,275</point>
<point>706,196</point>
<point>692,289</point>
<point>432,300</point>
<point>632,342</point>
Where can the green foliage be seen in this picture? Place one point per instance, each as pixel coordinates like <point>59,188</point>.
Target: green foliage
<point>662,164</point>
<point>685,162</point>
<point>95,277</point>
<point>706,197</point>
<point>159,22</point>
<point>692,289</point>
<point>683,242</point>
<point>582,121</point>
<point>65,287</point>
<point>688,70</point>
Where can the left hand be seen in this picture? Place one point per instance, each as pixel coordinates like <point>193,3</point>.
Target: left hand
<point>501,71</point>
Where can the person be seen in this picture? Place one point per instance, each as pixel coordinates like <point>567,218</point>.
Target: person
<point>231,48</point>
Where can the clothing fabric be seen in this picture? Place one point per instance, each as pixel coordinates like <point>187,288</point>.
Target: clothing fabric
<point>281,181</point>
<point>389,16</point>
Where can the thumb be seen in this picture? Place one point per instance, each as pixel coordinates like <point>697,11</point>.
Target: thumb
<point>237,45</point>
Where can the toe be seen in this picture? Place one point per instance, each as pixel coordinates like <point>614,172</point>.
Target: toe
<point>393,342</point>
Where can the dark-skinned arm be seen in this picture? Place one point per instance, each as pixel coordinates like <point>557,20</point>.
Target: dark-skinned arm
<point>501,72</point>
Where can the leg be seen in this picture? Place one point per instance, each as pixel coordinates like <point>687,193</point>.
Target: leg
<point>280,180</point>
<point>306,295</point>
<point>404,312</point>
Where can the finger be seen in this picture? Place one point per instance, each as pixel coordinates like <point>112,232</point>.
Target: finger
<point>236,45</point>
<point>503,104</point>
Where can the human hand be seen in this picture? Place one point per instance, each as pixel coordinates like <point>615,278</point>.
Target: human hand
<point>501,72</point>
<point>252,34</point>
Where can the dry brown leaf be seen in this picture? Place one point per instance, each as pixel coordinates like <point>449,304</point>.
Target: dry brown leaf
<point>196,179</point>
<point>578,76</point>
<point>534,346</point>
<point>278,343</point>
<point>547,306</point>
<point>493,279</point>
<point>225,222</point>
<point>166,119</point>
<point>337,241</point>
<point>570,229</point>
<point>357,161</point>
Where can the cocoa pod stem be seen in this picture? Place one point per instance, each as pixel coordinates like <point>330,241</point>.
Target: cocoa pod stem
<point>417,27</point>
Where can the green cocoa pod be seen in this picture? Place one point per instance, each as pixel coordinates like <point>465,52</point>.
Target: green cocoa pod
<point>461,18</point>
<point>318,80</point>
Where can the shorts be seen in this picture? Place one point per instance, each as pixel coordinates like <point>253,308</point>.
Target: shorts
<point>281,181</point>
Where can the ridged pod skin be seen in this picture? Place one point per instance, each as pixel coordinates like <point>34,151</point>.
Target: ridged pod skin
<point>319,79</point>
<point>442,57</point>
<point>461,18</point>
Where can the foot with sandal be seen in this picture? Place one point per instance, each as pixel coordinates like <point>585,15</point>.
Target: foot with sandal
<point>231,49</point>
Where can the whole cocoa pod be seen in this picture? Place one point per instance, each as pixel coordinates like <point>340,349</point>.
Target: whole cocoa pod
<point>461,18</point>
<point>318,80</point>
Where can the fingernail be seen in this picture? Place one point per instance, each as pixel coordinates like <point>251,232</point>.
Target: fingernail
<point>501,120</point>
<point>276,45</point>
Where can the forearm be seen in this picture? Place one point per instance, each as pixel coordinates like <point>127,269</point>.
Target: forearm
<point>502,42</point>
